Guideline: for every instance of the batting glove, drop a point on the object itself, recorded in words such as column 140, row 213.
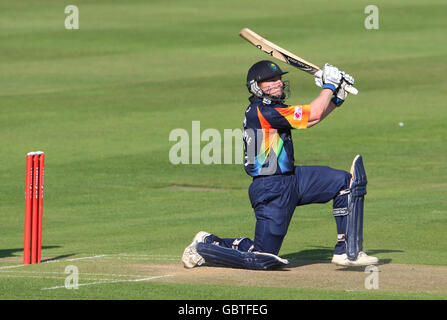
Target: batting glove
column 341, row 93
column 331, row 77
column 318, row 80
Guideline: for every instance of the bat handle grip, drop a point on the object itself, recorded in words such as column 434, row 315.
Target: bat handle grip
column 351, row 90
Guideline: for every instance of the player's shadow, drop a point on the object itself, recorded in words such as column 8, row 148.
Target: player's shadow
column 324, row 255
column 9, row 253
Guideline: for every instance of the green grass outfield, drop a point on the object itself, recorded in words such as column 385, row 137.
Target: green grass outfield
column 101, row 102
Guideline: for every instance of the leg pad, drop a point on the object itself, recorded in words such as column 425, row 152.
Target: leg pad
column 238, row 259
column 354, row 227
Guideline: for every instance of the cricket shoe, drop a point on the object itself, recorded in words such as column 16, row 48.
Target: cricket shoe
column 191, row 257
column 362, row 260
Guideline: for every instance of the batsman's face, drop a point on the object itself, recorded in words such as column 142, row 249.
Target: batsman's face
column 273, row 86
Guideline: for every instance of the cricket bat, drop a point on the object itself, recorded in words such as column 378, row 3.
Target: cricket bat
column 284, row 55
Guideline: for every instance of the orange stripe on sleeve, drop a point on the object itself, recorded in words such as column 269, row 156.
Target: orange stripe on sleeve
column 297, row 116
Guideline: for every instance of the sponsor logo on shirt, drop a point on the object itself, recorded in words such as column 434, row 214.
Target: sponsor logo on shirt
column 298, row 114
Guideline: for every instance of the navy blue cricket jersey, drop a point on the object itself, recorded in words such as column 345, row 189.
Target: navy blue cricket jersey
column 268, row 145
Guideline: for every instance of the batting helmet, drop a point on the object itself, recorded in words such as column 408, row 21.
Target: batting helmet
column 261, row 71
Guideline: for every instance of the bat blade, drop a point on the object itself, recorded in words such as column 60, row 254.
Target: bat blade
column 277, row 52
column 282, row 54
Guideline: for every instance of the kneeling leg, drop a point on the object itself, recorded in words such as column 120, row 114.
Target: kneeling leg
column 238, row 259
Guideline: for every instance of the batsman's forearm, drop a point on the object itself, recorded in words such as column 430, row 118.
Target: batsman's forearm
column 328, row 110
column 320, row 107
column 331, row 107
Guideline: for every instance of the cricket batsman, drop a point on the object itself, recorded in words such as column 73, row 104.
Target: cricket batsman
column 279, row 186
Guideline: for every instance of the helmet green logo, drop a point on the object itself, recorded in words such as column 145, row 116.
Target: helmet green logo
column 273, row 66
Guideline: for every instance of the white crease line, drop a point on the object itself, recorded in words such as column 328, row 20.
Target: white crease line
column 120, row 256
column 85, row 258
column 144, row 258
column 74, row 259
column 147, row 255
column 113, row 281
column 108, row 258
column 46, row 277
column 80, row 273
column 14, row 266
